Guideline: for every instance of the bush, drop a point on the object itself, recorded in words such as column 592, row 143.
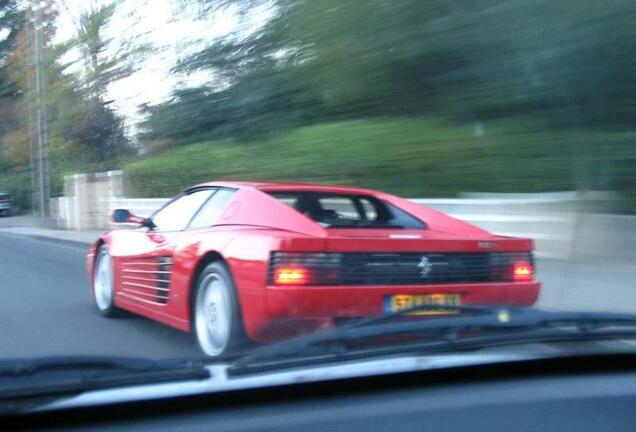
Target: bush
column 411, row 157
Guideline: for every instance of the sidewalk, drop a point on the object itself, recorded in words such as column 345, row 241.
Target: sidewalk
column 76, row 238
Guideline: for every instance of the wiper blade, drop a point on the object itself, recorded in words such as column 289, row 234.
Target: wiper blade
column 27, row 367
column 24, row 381
column 482, row 326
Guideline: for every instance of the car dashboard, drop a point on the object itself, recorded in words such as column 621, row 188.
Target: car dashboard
column 583, row 392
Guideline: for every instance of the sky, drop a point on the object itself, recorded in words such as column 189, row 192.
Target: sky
column 173, row 27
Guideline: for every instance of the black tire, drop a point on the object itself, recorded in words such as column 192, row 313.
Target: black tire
column 105, row 303
column 208, row 318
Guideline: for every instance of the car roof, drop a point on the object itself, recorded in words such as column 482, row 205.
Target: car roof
column 280, row 186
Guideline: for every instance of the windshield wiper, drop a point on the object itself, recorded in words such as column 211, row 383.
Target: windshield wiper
column 24, row 381
column 31, row 366
column 472, row 328
column 16, row 368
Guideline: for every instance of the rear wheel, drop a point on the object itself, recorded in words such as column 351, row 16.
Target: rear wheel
column 103, row 285
column 216, row 314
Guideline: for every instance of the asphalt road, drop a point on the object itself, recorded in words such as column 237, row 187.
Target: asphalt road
column 47, row 307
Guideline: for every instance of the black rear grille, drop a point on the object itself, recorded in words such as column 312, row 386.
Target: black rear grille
column 402, row 268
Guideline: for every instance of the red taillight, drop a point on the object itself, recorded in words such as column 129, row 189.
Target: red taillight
column 522, row 271
column 290, row 276
column 300, row 268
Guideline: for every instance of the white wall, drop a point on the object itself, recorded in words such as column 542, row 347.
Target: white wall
column 557, row 221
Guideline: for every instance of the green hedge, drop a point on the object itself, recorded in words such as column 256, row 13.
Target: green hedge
column 411, row 157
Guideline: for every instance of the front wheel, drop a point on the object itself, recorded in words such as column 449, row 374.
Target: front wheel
column 103, row 285
column 216, row 313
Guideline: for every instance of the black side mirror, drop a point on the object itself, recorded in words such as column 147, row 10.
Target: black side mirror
column 120, row 215
column 124, row 216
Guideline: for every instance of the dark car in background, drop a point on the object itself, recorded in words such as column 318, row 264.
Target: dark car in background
column 5, row 203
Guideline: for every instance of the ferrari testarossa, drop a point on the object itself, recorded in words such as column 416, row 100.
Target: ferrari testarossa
column 238, row 262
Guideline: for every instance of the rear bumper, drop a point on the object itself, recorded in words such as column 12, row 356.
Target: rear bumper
column 360, row 301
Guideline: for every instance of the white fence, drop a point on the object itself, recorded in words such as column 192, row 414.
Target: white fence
column 549, row 219
column 143, row 207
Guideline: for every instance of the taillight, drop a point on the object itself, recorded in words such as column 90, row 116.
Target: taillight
column 511, row 266
column 290, row 276
column 522, row 271
column 296, row 268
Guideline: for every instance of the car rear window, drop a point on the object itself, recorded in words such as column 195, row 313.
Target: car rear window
column 348, row 211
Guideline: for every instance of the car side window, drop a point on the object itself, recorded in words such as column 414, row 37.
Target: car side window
column 176, row 215
column 212, row 209
column 340, row 207
column 369, row 209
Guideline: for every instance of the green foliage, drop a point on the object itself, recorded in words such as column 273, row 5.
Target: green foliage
column 412, row 157
column 10, row 22
column 415, row 97
column 552, row 80
column 569, row 61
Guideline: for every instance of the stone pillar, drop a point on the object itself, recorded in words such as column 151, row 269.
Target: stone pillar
column 107, row 185
column 82, row 201
column 88, row 199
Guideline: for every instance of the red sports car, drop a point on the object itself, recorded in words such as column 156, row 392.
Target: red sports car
column 241, row 261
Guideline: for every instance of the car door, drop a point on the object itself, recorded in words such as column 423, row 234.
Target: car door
column 145, row 273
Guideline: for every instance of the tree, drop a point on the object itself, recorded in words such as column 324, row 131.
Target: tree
column 11, row 23
column 104, row 61
column 90, row 123
column 13, row 137
column 260, row 85
column 85, row 134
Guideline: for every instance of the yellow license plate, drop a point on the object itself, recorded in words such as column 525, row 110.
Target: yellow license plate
column 397, row 303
